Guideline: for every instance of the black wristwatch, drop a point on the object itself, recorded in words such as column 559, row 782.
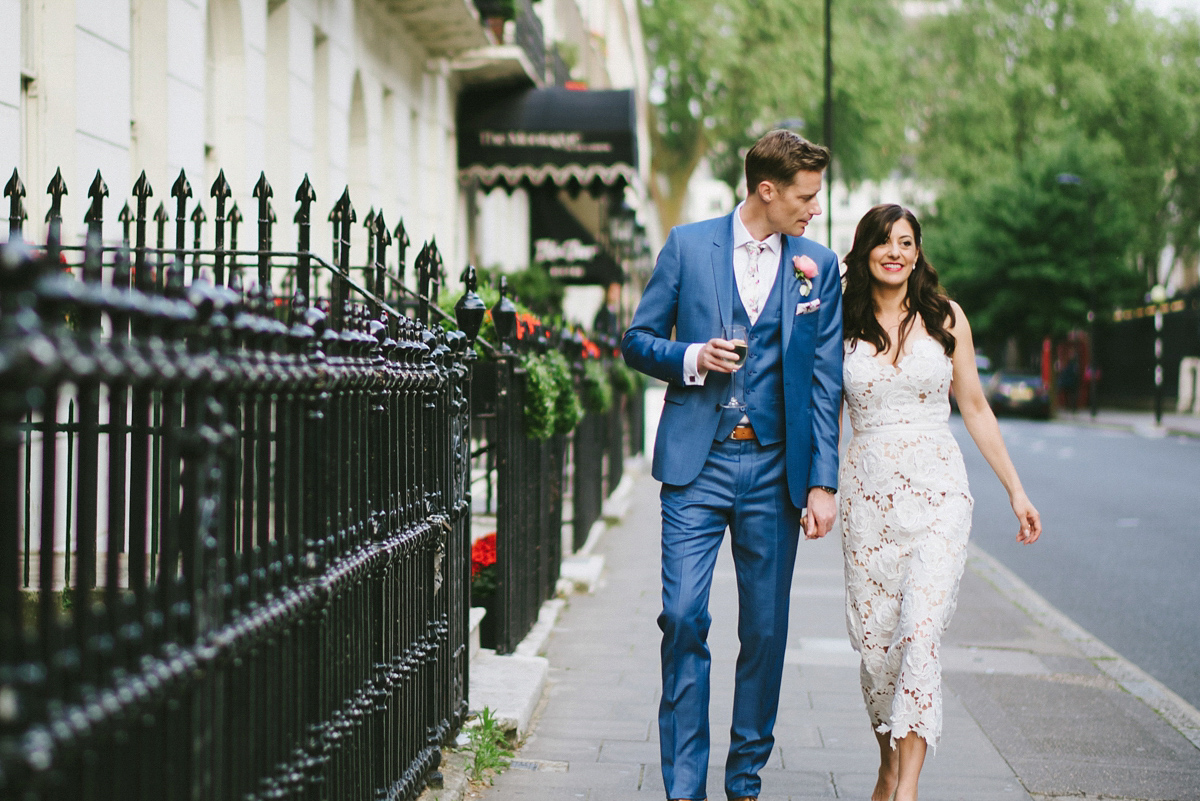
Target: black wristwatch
column 830, row 490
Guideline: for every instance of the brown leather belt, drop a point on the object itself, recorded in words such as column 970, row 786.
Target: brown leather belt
column 742, row 431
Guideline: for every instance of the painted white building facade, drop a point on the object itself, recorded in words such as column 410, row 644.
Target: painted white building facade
column 353, row 93
column 341, row 90
column 357, row 94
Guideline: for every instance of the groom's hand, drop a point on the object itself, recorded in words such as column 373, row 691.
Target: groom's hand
column 717, row 355
column 822, row 509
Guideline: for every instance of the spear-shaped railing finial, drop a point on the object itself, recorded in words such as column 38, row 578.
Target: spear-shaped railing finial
column 181, row 190
column 14, row 190
column 95, row 213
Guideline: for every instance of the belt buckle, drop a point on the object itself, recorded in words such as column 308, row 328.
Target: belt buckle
column 742, row 432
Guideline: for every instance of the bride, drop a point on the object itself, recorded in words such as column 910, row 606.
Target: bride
column 906, row 507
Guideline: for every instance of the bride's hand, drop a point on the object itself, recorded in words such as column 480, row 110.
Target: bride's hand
column 1029, row 519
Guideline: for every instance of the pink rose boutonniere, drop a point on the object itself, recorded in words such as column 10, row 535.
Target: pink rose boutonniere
column 805, row 270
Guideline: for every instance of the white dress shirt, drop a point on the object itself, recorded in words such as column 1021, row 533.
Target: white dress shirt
column 768, row 267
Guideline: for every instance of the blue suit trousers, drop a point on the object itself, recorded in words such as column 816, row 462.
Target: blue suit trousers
column 742, row 487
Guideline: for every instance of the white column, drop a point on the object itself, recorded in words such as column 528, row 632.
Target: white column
column 150, row 78
column 11, row 53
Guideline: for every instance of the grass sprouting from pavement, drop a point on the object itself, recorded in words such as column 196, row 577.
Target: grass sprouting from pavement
column 489, row 747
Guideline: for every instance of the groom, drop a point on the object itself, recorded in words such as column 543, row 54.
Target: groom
column 754, row 468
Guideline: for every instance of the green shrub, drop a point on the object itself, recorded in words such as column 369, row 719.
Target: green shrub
column 625, row 379
column 568, row 411
column 541, row 397
column 537, row 291
column 597, row 388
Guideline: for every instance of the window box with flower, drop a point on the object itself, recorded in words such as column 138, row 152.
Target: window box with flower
column 483, row 586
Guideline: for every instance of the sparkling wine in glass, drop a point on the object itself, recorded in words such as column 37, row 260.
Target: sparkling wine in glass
column 737, row 335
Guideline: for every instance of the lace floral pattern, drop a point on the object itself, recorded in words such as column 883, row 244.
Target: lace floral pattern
column 906, row 516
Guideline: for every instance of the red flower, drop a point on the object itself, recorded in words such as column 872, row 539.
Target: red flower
column 483, row 553
column 526, row 324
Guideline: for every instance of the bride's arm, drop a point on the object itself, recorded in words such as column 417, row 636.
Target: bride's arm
column 981, row 424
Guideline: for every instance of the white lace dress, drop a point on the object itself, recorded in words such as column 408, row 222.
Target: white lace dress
column 906, row 516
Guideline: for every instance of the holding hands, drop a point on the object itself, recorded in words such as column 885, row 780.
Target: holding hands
column 818, row 517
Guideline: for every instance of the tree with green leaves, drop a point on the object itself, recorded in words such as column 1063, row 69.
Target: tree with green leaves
column 724, row 72
column 1029, row 253
column 1003, row 82
column 1182, row 63
column 987, row 102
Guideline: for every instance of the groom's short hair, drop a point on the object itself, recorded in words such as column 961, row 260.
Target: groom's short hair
column 778, row 155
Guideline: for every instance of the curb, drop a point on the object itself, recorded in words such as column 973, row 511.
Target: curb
column 1181, row 715
column 510, row 686
column 1147, row 430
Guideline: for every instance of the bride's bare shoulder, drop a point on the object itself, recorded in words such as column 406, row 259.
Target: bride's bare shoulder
column 957, row 319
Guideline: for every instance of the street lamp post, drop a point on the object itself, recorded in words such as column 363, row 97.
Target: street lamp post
column 1092, row 372
column 829, row 121
column 1158, row 296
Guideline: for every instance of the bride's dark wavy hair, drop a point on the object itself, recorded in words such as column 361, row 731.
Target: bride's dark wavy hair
column 925, row 295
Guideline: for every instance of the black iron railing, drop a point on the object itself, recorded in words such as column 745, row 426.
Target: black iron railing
column 558, row 73
column 525, row 479
column 590, row 446
column 528, row 511
column 527, row 482
column 616, row 426
column 234, row 527
column 1125, row 351
column 601, row 443
column 530, row 36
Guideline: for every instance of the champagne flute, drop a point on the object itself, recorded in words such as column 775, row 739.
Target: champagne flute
column 737, row 335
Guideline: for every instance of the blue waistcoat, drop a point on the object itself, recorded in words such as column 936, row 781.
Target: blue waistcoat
column 759, row 382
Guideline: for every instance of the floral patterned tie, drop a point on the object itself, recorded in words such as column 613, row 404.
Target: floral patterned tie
column 753, row 279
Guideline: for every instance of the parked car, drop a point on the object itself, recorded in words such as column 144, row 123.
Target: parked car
column 983, row 365
column 1018, row 393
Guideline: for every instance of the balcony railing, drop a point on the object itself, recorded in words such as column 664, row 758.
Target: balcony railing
column 528, row 34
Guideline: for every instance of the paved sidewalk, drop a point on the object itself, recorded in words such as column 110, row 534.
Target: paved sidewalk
column 1173, row 424
column 1034, row 707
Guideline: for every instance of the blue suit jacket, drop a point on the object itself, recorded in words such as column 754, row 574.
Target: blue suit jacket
column 690, row 293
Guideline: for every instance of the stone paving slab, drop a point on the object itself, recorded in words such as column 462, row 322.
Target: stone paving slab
column 581, row 777
column 549, row 729
column 776, row 784
column 938, row 788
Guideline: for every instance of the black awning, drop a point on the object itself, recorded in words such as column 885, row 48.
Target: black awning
column 563, row 246
column 554, row 135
